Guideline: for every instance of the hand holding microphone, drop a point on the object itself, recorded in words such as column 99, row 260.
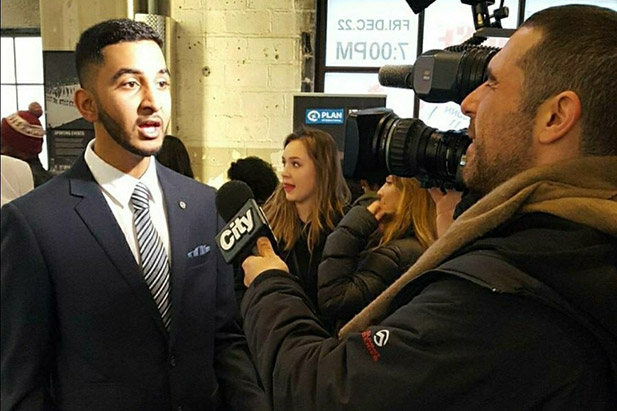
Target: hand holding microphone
column 246, row 222
column 247, row 231
column 266, row 260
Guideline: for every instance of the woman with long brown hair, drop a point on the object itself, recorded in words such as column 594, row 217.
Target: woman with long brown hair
column 308, row 204
column 372, row 246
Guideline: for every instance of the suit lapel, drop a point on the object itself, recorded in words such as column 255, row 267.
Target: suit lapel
column 97, row 216
column 176, row 203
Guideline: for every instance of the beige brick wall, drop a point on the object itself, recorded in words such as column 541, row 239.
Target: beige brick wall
column 20, row 14
column 238, row 63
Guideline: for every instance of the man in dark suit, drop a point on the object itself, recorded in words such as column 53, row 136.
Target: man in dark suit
column 114, row 296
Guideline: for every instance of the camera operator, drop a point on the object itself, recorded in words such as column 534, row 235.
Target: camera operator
column 514, row 306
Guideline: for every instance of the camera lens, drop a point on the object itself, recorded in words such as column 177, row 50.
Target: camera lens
column 378, row 142
column 415, row 149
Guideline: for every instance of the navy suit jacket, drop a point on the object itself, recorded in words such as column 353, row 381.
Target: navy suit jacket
column 80, row 330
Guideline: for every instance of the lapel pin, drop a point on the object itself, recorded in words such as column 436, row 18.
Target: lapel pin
column 182, row 205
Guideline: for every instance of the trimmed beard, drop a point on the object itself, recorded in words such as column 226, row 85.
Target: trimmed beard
column 487, row 173
column 119, row 136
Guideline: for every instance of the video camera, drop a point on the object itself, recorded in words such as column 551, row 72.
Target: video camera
column 378, row 142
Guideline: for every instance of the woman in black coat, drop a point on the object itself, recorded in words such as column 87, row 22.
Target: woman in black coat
column 372, row 246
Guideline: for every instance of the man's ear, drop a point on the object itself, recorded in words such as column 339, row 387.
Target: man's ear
column 557, row 116
column 85, row 103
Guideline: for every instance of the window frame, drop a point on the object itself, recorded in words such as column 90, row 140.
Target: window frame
column 14, row 33
column 321, row 69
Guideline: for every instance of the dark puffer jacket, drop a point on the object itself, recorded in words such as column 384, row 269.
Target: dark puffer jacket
column 301, row 261
column 353, row 272
column 528, row 325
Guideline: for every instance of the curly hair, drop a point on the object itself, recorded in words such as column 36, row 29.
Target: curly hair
column 257, row 173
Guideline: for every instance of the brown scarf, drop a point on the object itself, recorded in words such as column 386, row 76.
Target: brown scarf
column 583, row 190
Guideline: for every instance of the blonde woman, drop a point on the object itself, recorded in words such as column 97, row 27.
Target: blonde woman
column 308, row 203
column 372, row 246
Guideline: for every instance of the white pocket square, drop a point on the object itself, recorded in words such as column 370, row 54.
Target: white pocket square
column 199, row 250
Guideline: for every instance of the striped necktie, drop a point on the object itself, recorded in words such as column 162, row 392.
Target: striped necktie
column 154, row 262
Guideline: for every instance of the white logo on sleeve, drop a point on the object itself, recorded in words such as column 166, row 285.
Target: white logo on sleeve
column 381, row 338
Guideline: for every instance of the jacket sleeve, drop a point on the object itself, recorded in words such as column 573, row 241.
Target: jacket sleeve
column 304, row 368
column 377, row 270
column 338, row 292
column 28, row 318
column 450, row 344
column 349, row 277
column 235, row 371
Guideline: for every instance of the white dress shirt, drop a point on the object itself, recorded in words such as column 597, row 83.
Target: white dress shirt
column 117, row 188
column 17, row 178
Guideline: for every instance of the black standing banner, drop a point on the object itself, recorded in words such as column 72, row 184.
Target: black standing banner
column 68, row 132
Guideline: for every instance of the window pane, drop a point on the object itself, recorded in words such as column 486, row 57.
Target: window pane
column 28, row 94
column 444, row 116
column 8, row 100
column 399, row 100
column 8, row 64
column 29, row 56
column 438, row 35
column 450, row 22
column 369, row 33
column 353, row 83
column 532, row 6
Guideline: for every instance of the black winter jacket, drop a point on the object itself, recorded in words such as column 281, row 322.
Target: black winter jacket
column 39, row 174
column 522, row 319
column 303, row 263
column 352, row 272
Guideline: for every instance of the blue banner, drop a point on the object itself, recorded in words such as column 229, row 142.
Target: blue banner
column 325, row 116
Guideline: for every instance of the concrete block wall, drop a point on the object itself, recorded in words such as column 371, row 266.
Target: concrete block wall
column 20, row 14
column 238, row 63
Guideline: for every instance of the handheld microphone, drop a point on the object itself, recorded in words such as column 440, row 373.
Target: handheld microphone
column 396, row 76
column 246, row 222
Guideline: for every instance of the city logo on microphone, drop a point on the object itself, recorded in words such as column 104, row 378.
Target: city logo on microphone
column 240, row 226
column 325, row 116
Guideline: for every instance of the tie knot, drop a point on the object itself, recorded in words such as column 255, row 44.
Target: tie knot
column 140, row 196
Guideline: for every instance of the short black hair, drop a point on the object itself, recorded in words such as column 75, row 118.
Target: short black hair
column 92, row 41
column 582, row 60
column 257, row 173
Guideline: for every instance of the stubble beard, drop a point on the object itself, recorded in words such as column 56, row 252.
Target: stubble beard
column 122, row 138
column 487, row 171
